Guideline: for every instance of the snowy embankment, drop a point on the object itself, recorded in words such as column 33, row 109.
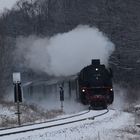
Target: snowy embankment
column 116, row 125
column 29, row 114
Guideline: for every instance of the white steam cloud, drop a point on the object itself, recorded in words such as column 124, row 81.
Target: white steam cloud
column 64, row 54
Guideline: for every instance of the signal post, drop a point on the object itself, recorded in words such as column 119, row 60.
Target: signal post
column 61, row 96
column 17, row 93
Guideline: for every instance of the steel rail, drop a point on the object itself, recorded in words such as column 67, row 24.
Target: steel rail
column 54, row 125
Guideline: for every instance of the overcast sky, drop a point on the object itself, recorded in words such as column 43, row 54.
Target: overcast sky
column 6, row 4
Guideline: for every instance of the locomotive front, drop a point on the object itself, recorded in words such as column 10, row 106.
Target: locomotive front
column 95, row 85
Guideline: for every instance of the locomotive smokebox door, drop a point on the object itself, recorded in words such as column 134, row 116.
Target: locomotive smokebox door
column 61, row 94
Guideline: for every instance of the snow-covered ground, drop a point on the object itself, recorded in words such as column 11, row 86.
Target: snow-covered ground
column 116, row 125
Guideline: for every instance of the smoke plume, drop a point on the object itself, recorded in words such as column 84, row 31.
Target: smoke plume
column 64, row 54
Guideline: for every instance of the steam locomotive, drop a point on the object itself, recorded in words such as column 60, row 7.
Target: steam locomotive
column 95, row 85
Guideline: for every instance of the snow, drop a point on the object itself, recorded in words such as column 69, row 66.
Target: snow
column 116, row 125
column 6, row 112
column 137, row 107
column 90, row 114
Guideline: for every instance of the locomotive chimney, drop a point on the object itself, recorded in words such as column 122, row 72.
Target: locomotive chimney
column 95, row 62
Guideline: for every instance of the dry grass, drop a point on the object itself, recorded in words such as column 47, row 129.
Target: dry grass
column 29, row 114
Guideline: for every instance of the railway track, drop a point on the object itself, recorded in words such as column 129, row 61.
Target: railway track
column 88, row 115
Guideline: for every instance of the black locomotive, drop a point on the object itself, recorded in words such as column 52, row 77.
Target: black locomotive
column 95, row 85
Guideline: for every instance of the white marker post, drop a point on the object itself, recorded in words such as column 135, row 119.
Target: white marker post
column 17, row 93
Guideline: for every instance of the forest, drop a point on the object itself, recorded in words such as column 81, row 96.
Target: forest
column 118, row 20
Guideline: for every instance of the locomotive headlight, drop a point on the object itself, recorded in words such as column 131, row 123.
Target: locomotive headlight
column 83, row 90
column 96, row 69
column 111, row 89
